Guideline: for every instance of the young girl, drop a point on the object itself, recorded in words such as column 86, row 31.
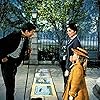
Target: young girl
column 76, row 87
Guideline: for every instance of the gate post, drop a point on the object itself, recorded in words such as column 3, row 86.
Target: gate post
column 34, row 46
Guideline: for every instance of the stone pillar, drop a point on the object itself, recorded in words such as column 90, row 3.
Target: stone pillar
column 34, row 46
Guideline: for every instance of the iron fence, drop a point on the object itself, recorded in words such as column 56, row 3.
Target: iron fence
column 90, row 43
column 48, row 50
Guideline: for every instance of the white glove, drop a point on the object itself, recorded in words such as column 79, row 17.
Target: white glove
column 71, row 98
column 66, row 73
column 64, row 57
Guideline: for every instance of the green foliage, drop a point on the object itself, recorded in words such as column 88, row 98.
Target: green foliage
column 56, row 12
column 28, row 6
column 10, row 16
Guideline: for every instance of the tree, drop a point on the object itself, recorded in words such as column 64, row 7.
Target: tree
column 10, row 16
column 88, row 26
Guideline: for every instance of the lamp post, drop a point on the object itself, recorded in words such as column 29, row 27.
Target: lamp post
column 34, row 42
column 34, row 16
column 32, row 59
column 33, row 20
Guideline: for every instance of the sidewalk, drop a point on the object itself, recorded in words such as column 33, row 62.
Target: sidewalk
column 56, row 73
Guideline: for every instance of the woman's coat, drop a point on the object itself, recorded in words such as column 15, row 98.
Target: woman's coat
column 76, row 85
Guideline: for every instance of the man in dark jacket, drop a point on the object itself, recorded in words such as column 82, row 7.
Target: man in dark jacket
column 73, row 42
column 12, row 51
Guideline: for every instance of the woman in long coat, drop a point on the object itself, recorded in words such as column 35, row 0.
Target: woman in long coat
column 76, row 87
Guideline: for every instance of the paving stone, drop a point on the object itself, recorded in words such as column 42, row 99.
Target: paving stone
column 56, row 73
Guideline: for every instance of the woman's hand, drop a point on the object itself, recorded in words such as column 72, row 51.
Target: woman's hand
column 66, row 73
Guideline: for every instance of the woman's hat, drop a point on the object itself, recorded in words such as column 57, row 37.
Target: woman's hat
column 81, row 52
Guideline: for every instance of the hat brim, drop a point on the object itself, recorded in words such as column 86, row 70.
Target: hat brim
column 79, row 53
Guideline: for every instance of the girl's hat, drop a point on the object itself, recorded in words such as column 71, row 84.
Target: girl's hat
column 81, row 52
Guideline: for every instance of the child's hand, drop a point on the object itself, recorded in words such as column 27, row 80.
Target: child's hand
column 71, row 98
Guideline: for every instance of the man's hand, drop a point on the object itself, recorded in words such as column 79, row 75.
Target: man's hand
column 66, row 73
column 5, row 59
column 28, row 51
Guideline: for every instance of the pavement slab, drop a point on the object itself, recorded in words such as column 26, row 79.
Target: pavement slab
column 91, row 75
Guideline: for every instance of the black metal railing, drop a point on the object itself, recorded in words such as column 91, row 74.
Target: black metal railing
column 90, row 43
column 48, row 50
